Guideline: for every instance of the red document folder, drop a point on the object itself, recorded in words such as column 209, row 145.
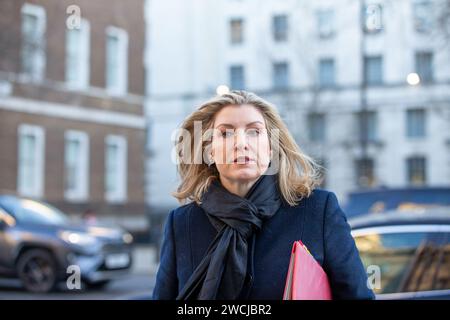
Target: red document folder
column 306, row 280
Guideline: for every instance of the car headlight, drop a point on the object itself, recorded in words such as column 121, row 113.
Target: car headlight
column 127, row 238
column 77, row 238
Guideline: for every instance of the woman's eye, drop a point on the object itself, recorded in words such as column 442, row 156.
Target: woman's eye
column 227, row 134
column 253, row 132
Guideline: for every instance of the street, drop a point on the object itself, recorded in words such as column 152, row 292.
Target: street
column 139, row 283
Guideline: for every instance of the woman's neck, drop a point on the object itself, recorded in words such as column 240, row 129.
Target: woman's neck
column 239, row 188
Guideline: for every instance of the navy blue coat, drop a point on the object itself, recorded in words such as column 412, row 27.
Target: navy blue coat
column 317, row 221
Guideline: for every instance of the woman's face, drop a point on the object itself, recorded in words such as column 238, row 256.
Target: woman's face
column 240, row 144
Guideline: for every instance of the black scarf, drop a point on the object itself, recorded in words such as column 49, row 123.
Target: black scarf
column 222, row 271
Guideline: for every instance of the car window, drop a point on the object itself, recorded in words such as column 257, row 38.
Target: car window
column 408, row 262
column 442, row 265
column 30, row 211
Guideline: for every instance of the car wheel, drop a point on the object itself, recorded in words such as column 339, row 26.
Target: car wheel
column 37, row 271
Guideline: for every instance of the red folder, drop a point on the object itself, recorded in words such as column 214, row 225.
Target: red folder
column 306, row 280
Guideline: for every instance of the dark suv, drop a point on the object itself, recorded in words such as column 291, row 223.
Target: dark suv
column 410, row 250
column 39, row 245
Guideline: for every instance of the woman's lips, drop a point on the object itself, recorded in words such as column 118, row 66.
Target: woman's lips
column 243, row 160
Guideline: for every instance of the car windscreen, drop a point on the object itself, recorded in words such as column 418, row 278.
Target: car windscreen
column 383, row 200
column 31, row 211
column 408, row 262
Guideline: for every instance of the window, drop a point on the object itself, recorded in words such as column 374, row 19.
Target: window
column 116, row 60
column 237, row 77
column 373, row 70
column 116, row 168
column 30, row 177
column 316, row 127
column 326, row 73
column 280, row 28
column 325, row 23
column 415, row 123
column 365, row 176
column 368, row 123
column 373, row 18
column 424, row 66
column 236, row 31
column 33, row 41
column 280, row 75
column 76, row 159
column 77, row 55
column 423, row 13
column 408, row 261
column 416, row 170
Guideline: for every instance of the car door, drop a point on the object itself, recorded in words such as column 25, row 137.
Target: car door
column 412, row 260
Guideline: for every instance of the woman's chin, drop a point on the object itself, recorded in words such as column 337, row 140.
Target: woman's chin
column 246, row 173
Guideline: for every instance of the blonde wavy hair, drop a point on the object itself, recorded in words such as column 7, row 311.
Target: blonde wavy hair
column 298, row 174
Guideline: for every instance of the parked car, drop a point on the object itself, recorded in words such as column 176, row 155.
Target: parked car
column 410, row 250
column 38, row 244
column 384, row 199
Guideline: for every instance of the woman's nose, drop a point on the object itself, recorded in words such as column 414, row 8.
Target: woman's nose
column 241, row 140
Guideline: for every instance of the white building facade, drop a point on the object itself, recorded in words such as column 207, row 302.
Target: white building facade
column 363, row 87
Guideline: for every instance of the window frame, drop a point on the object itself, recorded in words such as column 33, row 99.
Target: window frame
column 377, row 81
column 409, row 169
column 38, row 133
column 280, row 27
column 39, row 57
column 329, row 62
column 120, row 194
column 121, row 87
column 410, row 113
column 235, row 67
column 82, row 80
column 277, row 76
column 81, row 191
column 326, row 30
column 236, row 40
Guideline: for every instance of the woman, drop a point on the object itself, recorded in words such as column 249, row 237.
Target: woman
column 251, row 194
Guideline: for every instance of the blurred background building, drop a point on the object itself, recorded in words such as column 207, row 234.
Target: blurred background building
column 92, row 92
column 89, row 105
column 363, row 85
column 72, row 124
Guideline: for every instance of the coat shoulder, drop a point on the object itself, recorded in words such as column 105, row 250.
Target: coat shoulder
column 181, row 213
column 318, row 198
column 321, row 195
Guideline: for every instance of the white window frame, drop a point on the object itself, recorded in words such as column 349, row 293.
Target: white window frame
column 328, row 29
column 35, row 191
column 83, row 69
column 120, row 194
column 422, row 12
column 122, row 87
column 277, row 32
column 81, row 190
column 329, row 62
column 39, row 59
column 239, row 40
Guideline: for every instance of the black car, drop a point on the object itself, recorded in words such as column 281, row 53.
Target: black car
column 41, row 246
column 409, row 250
